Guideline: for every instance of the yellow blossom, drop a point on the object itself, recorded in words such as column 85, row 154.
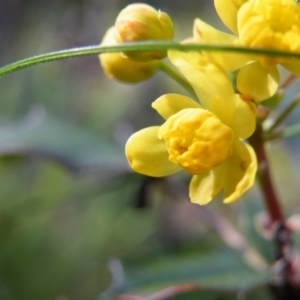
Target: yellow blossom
column 117, row 66
column 205, row 140
column 142, row 22
column 272, row 24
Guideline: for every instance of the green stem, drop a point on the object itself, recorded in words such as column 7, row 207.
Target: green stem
column 291, row 131
column 137, row 46
column 179, row 79
column 284, row 115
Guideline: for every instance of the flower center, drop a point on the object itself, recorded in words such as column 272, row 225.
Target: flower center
column 271, row 24
column 196, row 140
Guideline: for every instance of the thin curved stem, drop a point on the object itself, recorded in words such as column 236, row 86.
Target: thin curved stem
column 177, row 77
column 284, row 114
column 137, row 46
column 291, row 131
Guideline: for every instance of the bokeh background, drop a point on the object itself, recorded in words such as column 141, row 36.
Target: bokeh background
column 75, row 221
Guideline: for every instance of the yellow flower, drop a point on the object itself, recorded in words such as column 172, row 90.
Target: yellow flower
column 204, row 140
column 142, row 22
column 273, row 24
column 120, row 67
column 270, row 24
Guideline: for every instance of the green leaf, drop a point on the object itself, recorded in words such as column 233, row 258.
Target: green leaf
column 261, row 294
column 221, row 269
column 74, row 147
column 58, row 231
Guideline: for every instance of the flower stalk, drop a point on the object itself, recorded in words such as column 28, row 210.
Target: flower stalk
column 265, row 181
column 135, row 46
column 177, row 77
column 284, row 281
column 284, row 115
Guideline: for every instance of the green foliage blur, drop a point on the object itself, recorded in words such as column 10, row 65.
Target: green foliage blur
column 75, row 221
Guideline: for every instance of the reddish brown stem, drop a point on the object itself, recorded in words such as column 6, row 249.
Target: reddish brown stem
column 265, row 180
column 284, row 282
column 288, row 81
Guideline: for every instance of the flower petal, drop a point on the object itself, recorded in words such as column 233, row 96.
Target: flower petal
column 148, row 155
column 206, row 186
column 293, row 66
column 170, row 104
column 256, row 82
column 244, row 118
column 204, row 33
column 239, row 171
column 227, row 11
column 210, row 82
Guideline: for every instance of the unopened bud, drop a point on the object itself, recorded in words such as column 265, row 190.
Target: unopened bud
column 120, row 67
column 141, row 22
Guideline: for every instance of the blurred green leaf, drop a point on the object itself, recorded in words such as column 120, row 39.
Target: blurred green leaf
column 58, row 231
column 251, row 223
column 75, row 148
column 221, row 268
column 261, row 294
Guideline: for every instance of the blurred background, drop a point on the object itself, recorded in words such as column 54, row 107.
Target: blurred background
column 75, row 221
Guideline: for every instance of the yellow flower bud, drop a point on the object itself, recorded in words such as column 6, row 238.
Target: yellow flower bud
column 141, row 22
column 196, row 140
column 120, row 67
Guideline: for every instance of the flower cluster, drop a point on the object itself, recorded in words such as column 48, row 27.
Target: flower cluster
column 270, row 24
column 206, row 138
column 203, row 139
